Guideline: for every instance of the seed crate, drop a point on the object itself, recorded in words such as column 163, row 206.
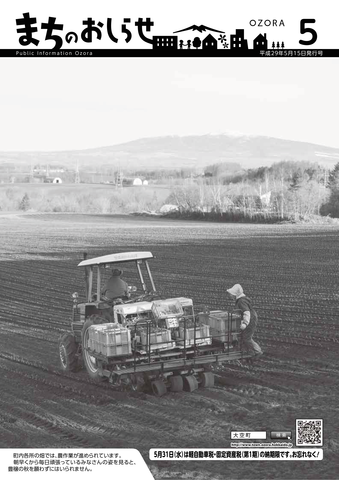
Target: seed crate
column 186, row 304
column 110, row 340
column 167, row 308
column 221, row 321
column 94, row 338
column 200, row 332
column 156, row 336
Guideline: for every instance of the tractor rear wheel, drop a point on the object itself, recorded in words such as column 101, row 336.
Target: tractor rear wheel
column 159, row 388
column 207, row 379
column 68, row 352
column 176, row 383
column 190, row 383
column 90, row 361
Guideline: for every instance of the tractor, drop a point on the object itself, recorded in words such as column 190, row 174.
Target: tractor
column 143, row 341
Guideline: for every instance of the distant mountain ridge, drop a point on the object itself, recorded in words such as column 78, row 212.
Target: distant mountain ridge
column 192, row 151
column 200, row 28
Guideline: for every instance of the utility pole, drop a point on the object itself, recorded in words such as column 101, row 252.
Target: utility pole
column 119, row 178
column 77, row 175
column 31, row 175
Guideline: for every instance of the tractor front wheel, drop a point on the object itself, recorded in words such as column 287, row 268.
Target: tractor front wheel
column 90, row 361
column 68, row 352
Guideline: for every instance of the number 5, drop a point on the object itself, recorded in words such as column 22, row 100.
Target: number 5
column 303, row 30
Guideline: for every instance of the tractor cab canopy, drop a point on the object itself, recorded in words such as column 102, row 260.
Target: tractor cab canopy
column 99, row 263
column 116, row 258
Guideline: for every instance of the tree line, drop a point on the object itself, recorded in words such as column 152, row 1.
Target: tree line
column 286, row 190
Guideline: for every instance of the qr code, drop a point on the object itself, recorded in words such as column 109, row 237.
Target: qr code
column 309, row 432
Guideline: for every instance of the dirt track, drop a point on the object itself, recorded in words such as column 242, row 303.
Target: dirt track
column 292, row 274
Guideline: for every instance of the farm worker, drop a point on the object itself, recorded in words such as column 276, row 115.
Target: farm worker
column 249, row 318
column 115, row 286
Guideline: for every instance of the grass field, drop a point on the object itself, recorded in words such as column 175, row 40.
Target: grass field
column 290, row 271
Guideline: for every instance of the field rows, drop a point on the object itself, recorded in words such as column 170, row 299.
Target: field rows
column 290, row 272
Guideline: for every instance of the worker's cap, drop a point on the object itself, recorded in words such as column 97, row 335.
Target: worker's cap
column 236, row 290
column 116, row 272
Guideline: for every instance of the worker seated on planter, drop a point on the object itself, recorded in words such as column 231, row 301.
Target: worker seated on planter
column 116, row 287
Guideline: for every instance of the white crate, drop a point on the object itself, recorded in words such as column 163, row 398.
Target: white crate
column 156, row 337
column 94, row 337
column 201, row 331
column 184, row 302
column 116, row 350
column 167, row 308
column 221, row 321
column 110, row 339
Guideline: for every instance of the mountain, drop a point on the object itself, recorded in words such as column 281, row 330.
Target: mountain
column 200, row 28
column 176, row 152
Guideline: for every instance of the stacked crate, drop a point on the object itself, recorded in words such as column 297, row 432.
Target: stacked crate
column 93, row 337
column 167, row 308
column 157, row 338
column 110, row 340
column 202, row 334
column 223, row 326
column 186, row 304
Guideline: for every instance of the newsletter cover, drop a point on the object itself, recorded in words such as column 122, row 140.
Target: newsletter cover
column 169, row 233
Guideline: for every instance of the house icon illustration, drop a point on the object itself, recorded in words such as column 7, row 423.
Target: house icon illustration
column 238, row 40
column 260, row 42
column 209, row 43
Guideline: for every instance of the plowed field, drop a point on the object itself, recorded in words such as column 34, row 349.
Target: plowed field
column 291, row 272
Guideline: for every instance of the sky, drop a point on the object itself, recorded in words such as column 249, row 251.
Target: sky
column 62, row 104
column 78, row 103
